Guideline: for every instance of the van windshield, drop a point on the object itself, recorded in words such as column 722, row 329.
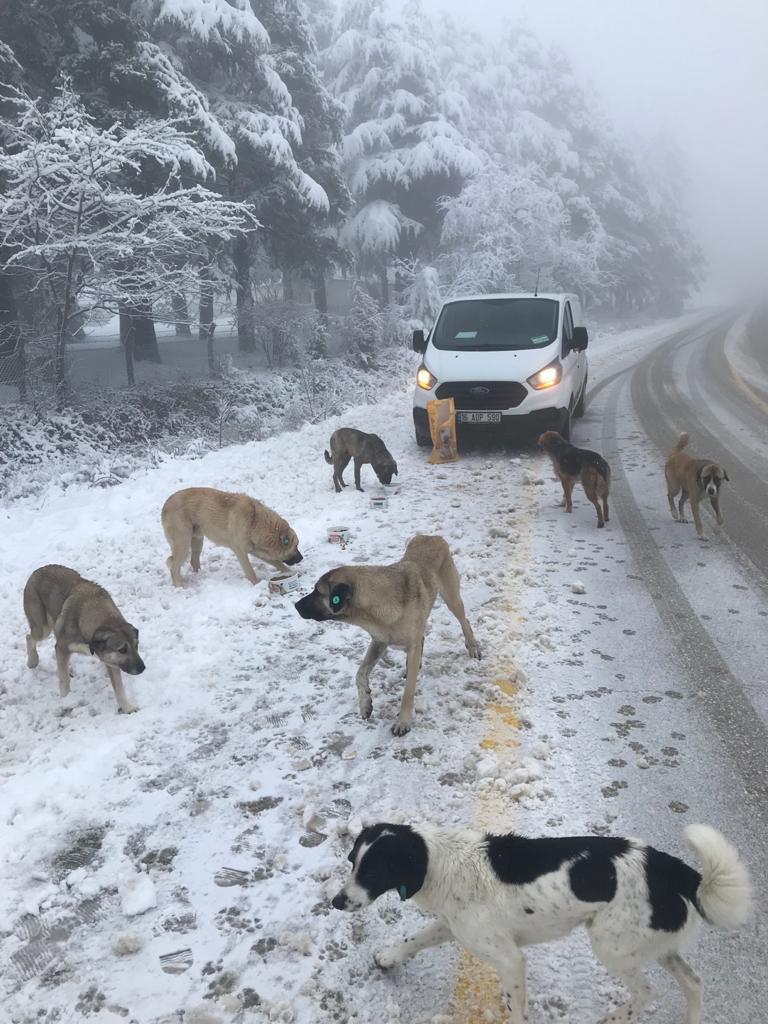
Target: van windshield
column 489, row 324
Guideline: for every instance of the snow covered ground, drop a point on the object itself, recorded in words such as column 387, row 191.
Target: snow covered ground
column 177, row 864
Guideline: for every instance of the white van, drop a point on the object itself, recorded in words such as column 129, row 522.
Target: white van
column 516, row 360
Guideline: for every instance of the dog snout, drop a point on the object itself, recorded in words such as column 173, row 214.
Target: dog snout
column 340, row 901
column 137, row 667
column 307, row 608
column 298, row 557
column 711, row 489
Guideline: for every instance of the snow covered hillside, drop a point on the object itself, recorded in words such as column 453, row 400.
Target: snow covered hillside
column 177, row 864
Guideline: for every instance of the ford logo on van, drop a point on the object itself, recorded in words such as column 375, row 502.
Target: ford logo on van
column 479, row 391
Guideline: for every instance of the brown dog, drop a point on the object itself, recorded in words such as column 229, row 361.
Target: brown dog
column 572, row 464
column 392, row 603
column 695, row 478
column 84, row 620
column 235, row 521
column 348, row 443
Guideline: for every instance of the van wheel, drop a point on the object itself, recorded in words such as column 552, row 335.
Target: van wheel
column 565, row 425
column 581, row 405
column 423, row 441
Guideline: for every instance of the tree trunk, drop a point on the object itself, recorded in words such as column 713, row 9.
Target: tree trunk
column 207, row 325
column 320, row 296
column 384, row 279
column 181, row 315
column 11, row 338
column 127, row 337
column 60, row 360
column 141, row 330
column 145, row 339
column 246, row 335
column 288, row 292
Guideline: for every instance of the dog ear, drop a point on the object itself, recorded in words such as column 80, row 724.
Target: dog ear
column 339, row 597
column 135, row 632
column 726, row 477
column 395, row 469
column 98, row 641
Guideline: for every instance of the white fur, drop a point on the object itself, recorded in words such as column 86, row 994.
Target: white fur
column 725, row 893
column 488, row 917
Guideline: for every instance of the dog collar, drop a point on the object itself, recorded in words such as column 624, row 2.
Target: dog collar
column 403, row 893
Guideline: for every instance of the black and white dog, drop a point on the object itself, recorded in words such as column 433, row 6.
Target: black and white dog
column 495, row 895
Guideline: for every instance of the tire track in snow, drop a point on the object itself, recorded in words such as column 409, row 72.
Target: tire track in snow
column 742, row 732
column 664, row 413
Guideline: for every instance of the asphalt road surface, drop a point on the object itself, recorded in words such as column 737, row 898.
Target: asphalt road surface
column 692, row 670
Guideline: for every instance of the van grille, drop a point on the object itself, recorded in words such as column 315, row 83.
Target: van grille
column 498, row 394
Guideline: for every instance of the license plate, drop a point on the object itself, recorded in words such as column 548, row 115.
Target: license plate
column 479, row 417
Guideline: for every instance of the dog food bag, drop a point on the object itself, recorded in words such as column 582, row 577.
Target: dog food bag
column 442, row 427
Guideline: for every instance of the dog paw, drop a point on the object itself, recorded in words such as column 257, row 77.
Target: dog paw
column 400, row 728
column 366, row 709
column 386, row 959
column 127, row 709
column 600, row 526
column 473, row 650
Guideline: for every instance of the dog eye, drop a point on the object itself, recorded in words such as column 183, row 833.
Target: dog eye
column 123, row 649
column 286, row 541
column 335, row 600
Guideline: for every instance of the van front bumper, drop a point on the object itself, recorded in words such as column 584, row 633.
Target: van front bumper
column 512, row 421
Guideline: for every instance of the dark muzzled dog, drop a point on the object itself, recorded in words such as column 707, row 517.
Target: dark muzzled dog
column 84, row 620
column 496, row 894
column 393, row 604
column 571, row 465
column 693, row 479
column 348, row 443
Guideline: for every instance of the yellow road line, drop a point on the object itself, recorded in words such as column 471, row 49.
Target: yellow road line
column 477, row 996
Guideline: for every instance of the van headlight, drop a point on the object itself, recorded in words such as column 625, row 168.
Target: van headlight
column 548, row 377
column 425, row 379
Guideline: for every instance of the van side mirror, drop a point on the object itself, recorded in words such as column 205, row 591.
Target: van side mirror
column 419, row 341
column 580, row 339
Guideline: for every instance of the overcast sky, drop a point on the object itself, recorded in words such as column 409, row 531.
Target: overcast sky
column 696, row 70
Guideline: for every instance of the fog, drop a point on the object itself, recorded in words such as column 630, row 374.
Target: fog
column 694, row 71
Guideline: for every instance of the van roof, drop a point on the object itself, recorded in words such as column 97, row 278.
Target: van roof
column 557, row 296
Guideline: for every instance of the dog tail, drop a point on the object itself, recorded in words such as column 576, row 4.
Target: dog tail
column 682, row 442
column 328, row 458
column 725, row 893
column 603, row 468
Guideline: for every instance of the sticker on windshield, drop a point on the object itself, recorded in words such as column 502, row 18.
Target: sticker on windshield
column 465, row 334
column 539, row 339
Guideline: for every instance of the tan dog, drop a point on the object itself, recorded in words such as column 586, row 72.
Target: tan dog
column 235, row 521
column 572, row 464
column 393, row 604
column 695, row 478
column 348, row 443
column 84, row 620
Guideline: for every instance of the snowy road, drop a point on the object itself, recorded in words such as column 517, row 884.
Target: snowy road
column 635, row 707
